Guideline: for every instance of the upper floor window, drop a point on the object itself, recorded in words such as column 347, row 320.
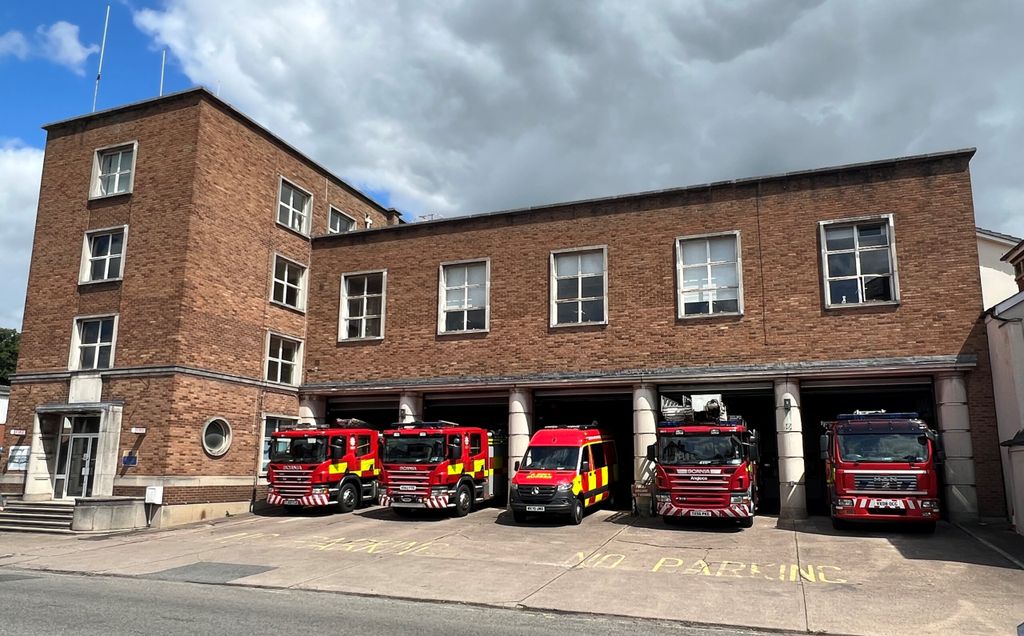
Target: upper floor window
column 102, row 255
column 293, row 207
column 709, row 275
column 362, row 305
column 579, row 287
column 283, row 361
column 463, row 298
column 113, row 170
column 859, row 262
column 289, row 283
column 340, row 222
column 92, row 344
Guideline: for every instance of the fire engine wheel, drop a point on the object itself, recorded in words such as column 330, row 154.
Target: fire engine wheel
column 840, row 524
column 747, row 522
column 576, row 514
column 463, row 501
column 348, row 497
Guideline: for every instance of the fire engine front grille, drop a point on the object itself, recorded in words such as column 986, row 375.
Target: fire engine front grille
column 699, row 490
column 543, row 494
column 409, row 482
column 293, row 482
column 883, row 482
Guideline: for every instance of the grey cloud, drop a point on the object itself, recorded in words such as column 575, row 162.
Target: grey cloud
column 458, row 107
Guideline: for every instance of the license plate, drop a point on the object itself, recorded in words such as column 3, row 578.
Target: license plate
column 407, row 487
column 894, row 504
column 406, row 499
column 291, row 502
column 700, row 513
column 535, row 509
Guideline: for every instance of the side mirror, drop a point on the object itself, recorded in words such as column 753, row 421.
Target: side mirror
column 823, row 446
column 585, row 467
column 652, row 453
column 515, row 466
column 755, row 453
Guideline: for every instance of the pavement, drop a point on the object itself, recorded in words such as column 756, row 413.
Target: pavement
column 794, row 576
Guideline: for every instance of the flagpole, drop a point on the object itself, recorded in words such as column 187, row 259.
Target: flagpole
column 99, row 71
column 163, row 62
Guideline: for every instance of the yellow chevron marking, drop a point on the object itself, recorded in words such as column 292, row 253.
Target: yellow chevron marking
column 577, row 485
column 366, row 464
column 337, row 469
column 455, row 469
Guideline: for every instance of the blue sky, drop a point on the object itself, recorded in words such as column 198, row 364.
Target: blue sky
column 452, row 107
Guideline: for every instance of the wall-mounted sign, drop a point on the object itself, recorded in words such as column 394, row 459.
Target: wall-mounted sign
column 19, row 432
column 18, row 459
column 130, row 460
column 139, row 430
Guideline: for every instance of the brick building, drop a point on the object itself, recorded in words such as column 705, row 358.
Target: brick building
column 241, row 300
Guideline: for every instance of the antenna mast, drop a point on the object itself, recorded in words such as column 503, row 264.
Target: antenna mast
column 99, row 71
column 163, row 62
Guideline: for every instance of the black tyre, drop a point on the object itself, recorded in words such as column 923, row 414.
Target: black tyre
column 403, row 512
column 672, row 520
column 576, row 514
column 463, row 500
column 348, row 497
column 747, row 522
column 293, row 509
column 840, row 524
column 925, row 528
column 519, row 516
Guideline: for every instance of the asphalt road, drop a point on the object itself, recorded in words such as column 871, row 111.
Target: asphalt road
column 35, row 603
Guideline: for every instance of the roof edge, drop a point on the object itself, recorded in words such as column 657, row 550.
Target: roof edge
column 1009, row 239
column 744, row 181
column 205, row 93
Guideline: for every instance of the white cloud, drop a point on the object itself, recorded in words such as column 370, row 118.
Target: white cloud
column 59, row 43
column 464, row 106
column 20, row 170
column 13, row 43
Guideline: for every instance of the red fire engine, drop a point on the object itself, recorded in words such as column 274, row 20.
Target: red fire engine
column 881, row 467
column 706, row 463
column 321, row 466
column 565, row 470
column 440, row 465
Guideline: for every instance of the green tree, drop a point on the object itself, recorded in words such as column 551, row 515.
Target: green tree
column 9, row 340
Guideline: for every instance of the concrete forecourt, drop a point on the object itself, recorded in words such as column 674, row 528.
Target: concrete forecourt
column 784, row 575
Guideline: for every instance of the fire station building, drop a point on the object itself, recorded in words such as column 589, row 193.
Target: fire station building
column 197, row 283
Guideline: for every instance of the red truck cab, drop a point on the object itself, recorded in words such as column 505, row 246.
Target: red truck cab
column 320, row 466
column 881, row 467
column 564, row 471
column 705, row 470
column 441, row 465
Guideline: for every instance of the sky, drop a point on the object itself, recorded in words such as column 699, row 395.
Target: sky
column 444, row 108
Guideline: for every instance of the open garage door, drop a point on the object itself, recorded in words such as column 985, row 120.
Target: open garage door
column 613, row 412
column 823, row 401
column 380, row 413
column 755, row 402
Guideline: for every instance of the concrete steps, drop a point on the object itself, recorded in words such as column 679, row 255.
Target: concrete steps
column 37, row 516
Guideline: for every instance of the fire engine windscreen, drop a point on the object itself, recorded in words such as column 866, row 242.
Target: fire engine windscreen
column 551, row 458
column 700, row 449
column 883, row 447
column 300, row 450
column 414, row 450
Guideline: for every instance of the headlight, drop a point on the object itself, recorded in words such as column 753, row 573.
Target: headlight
column 439, row 490
column 319, row 490
column 663, row 497
column 740, row 498
column 844, row 502
column 930, row 504
column 564, row 488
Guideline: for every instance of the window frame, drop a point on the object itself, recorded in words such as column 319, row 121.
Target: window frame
column 85, row 267
column 300, row 352
column 303, row 282
column 265, row 437
column 894, row 267
column 94, row 183
column 343, row 306
column 680, row 309
column 228, row 437
column 330, row 211
column 553, row 285
column 442, row 288
column 75, row 354
column 307, row 218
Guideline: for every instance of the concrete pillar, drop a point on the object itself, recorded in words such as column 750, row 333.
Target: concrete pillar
column 410, row 407
column 312, row 409
column 107, row 451
column 42, row 457
column 789, row 430
column 520, row 425
column 645, row 423
column 955, row 426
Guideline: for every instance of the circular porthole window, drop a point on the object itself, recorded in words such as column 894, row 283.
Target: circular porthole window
column 216, row 437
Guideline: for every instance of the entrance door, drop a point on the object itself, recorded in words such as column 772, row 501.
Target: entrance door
column 76, row 459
